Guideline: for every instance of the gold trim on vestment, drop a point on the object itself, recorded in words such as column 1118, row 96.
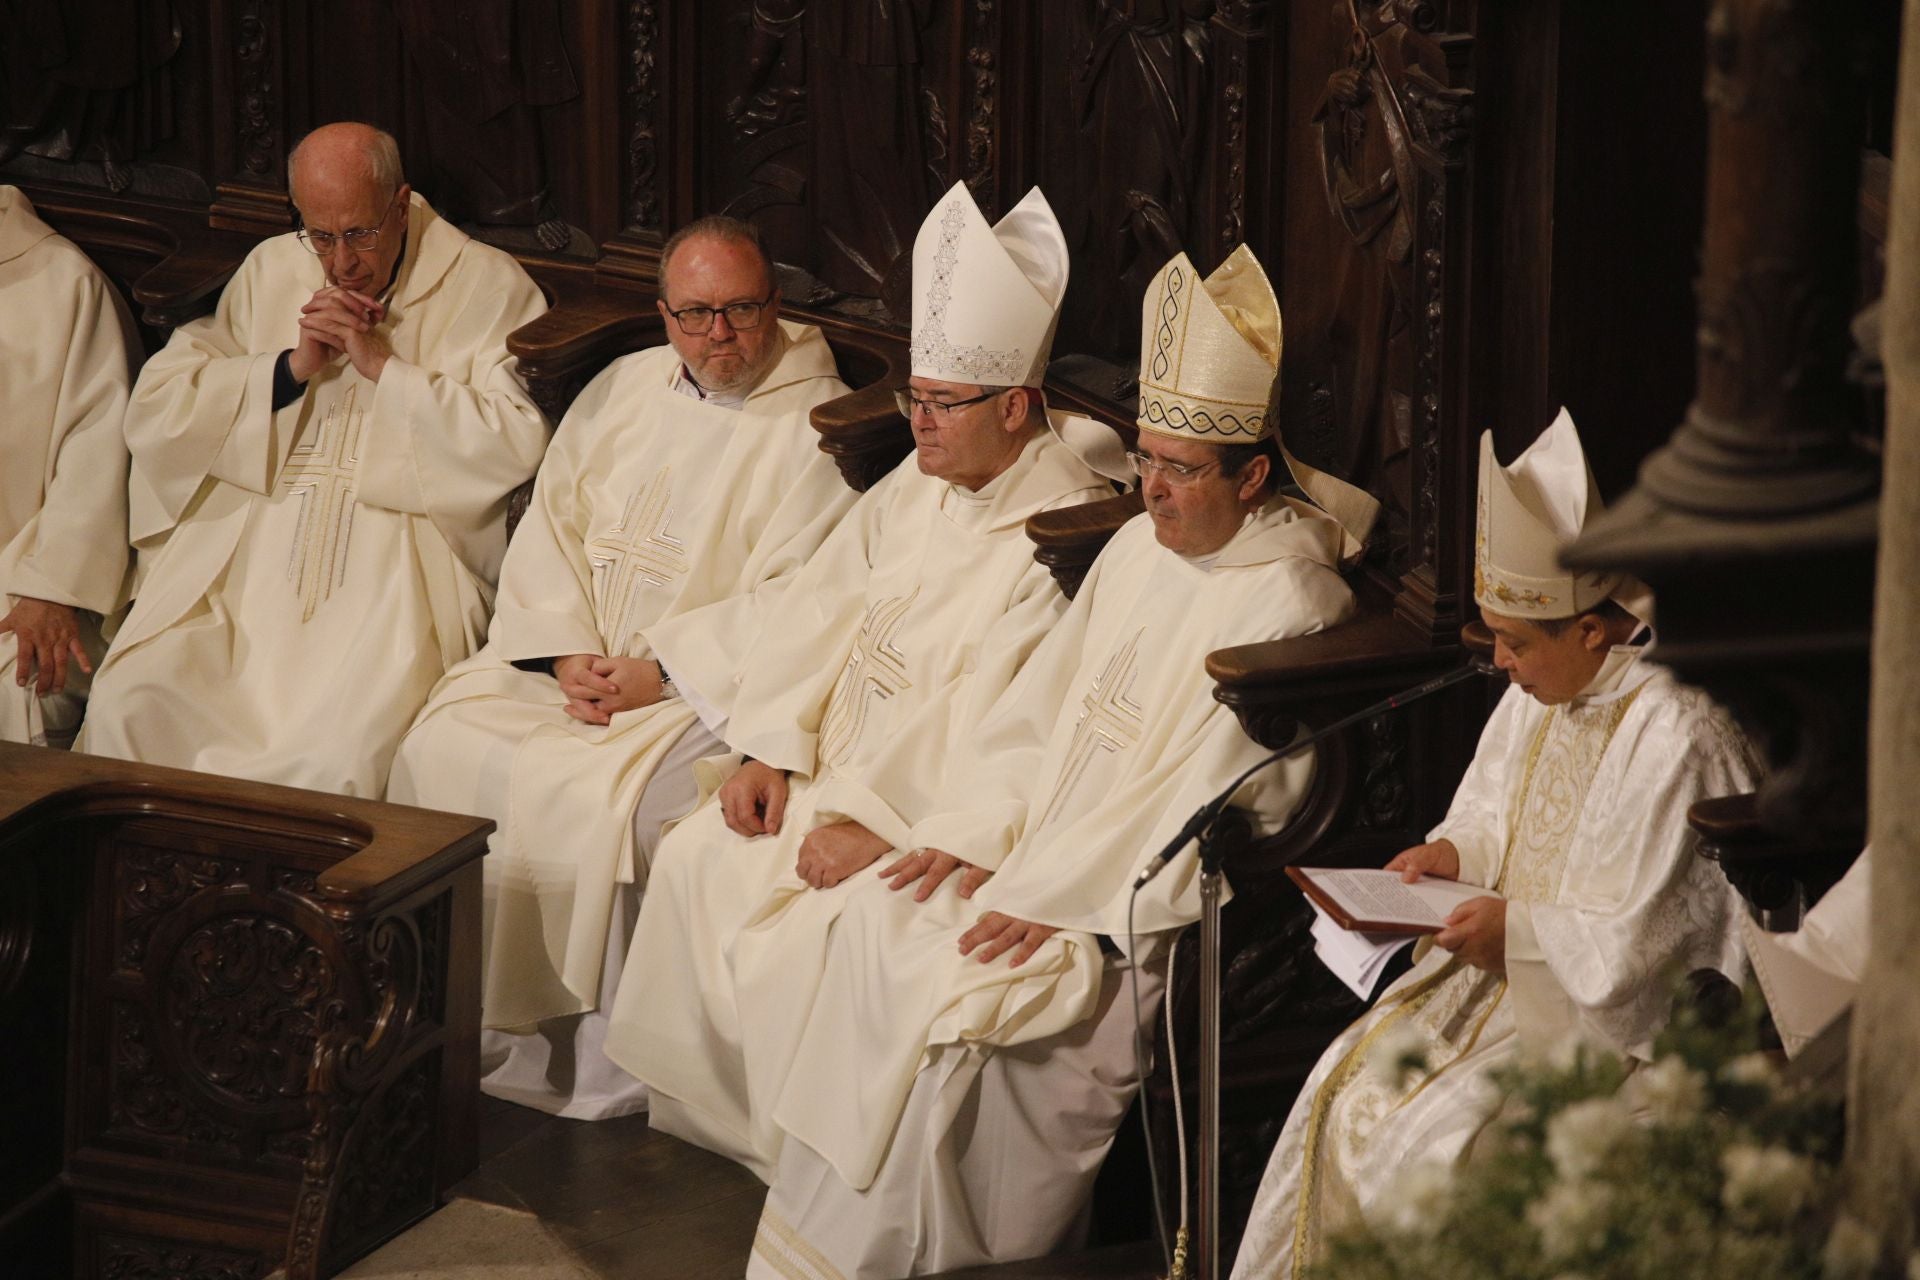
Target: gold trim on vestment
column 788, row 1252
column 1414, row 998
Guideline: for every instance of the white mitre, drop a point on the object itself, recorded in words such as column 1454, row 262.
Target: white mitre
column 986, row 298
column 1209, row 352
column 1527, row 512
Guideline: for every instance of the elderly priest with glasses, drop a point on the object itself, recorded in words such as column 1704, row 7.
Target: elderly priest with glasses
column 917, row 611
column 1573, row 817
column 319, row 491
column 949, row 1081
column 682, row 492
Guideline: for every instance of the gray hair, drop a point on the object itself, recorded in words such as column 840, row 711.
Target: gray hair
column 380, row 151
column 717, row 226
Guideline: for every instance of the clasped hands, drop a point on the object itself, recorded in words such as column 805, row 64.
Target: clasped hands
column 599, row 688
column 48, row 638
column 1476, row 931
column 340, row 322
column 753, row 802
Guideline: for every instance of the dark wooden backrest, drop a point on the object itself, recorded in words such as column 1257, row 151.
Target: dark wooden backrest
column 246, row 1017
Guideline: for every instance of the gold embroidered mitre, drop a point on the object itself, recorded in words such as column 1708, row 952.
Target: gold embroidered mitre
column 1209, row 350
column 986, row 298
column 1527, row 512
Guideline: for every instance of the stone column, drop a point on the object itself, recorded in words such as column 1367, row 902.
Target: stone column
column 1883, row 1139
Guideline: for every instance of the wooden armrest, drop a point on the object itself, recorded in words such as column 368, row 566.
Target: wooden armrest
column 562, row 350
column 1068, row 540
column 864, row 433
column 1780, row 875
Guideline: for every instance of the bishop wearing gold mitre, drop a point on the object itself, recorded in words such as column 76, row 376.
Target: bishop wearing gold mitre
column 912, row 617
column 67, row 357
column 1573, row 816
column 948, row 1076
column 319, row 494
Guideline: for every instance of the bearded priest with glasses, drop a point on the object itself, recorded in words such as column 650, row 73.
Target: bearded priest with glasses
column 913, row 615
column 682, row 492
column 320, row 474
column 948, row 1073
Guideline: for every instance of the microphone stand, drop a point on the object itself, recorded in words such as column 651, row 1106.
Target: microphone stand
column 1205, row 826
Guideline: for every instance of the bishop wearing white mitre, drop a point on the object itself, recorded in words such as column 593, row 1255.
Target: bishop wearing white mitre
column 920, row 607
column 949, row 1083
column 67, row 357
column 681, row 493
column 320, row 479
column 1574, row 812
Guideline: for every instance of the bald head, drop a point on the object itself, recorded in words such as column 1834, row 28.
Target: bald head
column 347, row 153
column 346, row 177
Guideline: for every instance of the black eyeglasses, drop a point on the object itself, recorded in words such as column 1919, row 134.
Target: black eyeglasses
column 938, row 410
column 740, row 315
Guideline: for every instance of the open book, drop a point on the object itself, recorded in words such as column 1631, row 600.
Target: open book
column 1363, row 917
column 1370, row 901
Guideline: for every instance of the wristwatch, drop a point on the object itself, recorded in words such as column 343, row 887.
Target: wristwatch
column 667, row 687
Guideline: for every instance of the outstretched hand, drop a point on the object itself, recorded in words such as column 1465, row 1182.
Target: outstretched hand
column 48, row 636
column 929, row 868
column 997, row 933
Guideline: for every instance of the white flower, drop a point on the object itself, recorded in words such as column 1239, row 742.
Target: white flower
column 1852, row 1251
column 1580, row 1138
column 1767, row 1183
column 1669, row 1091
column 1755, row 1070
column 1571, row 1218
column 1400, row 1049
column 1417, row 1202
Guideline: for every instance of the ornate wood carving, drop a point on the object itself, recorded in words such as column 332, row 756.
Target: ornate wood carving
column 643, row 130
column 125, row 1257
column 252, row 195
column 983, row 126
column 280, row 999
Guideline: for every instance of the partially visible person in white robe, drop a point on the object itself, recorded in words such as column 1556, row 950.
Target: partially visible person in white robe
column 948, row 1084
column 1573, row 813
column 684, row 489
column 1810, row 976
column 68, row 353
column 917, row 611
column 320, row 479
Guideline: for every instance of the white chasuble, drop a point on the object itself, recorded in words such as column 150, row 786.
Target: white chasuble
column 67, row 357
column 661, row 527
column 1094, row 757
column 308, row 573
column 1578, row 815
column 917, row 612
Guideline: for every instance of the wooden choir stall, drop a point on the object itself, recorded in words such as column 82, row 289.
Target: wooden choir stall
column 223, row 996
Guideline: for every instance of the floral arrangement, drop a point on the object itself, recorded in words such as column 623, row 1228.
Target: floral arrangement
column 1704, row 1164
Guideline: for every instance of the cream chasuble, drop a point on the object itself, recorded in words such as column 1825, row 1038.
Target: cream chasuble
column 1578, row 815
column 655, row 515
column 315, row 569
column 1096, row 754
column 68, row 351
column 923, row 604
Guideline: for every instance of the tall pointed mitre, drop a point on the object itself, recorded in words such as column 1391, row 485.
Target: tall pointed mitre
column 1209, row 352
column 1527, row 512
column 986, row 298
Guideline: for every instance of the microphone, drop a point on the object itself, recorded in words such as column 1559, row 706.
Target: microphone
column 1204, row 816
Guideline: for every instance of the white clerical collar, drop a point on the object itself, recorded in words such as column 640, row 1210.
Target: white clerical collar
column 683, row 383
column 1614, row 677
